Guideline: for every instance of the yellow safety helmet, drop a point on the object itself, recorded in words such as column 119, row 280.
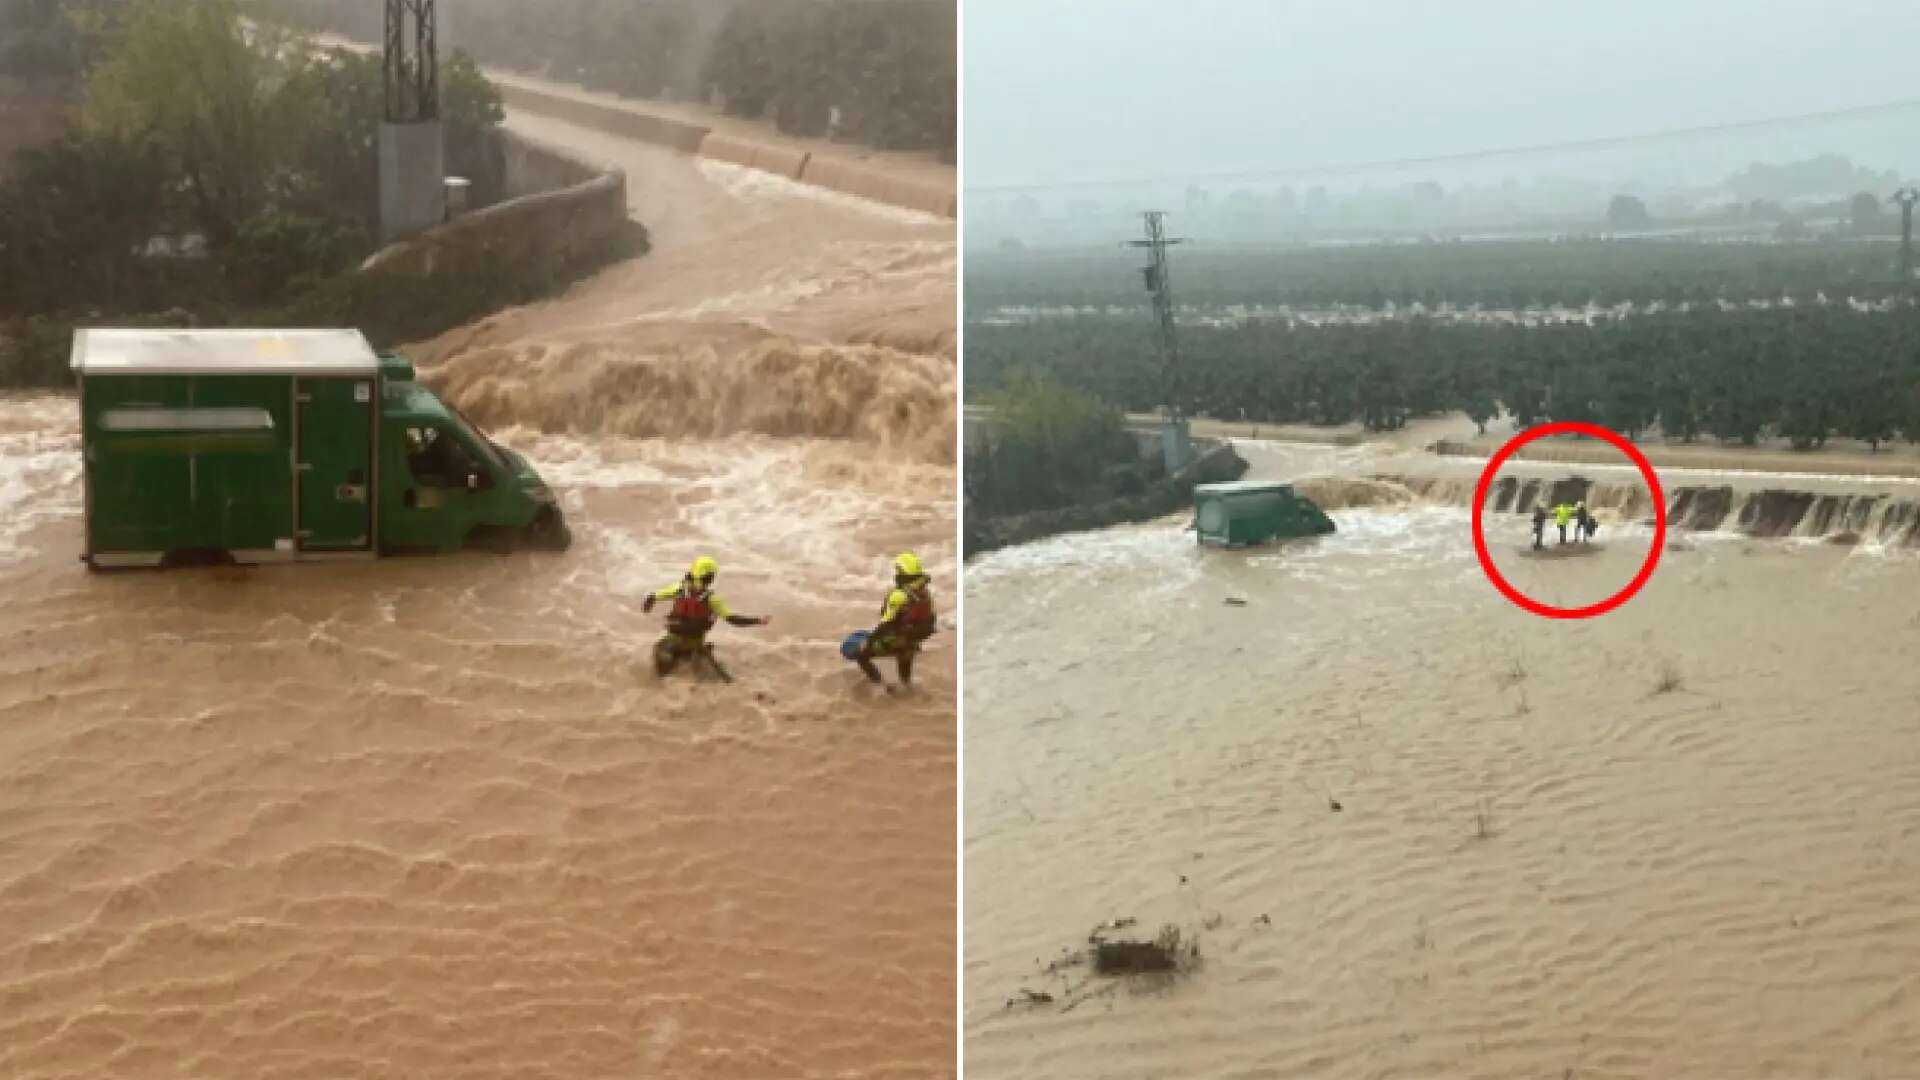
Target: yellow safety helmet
column 704, row 568
column 907, row 565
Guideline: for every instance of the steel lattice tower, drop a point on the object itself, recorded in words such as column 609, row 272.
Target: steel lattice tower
column 1906, row 197
column 1160, row 287
column 412, row 147
column 412, row 63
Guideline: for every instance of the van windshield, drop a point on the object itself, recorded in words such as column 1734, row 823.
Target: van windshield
column 472, row 437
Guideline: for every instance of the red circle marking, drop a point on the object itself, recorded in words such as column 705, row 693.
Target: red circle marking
column 1569, row 427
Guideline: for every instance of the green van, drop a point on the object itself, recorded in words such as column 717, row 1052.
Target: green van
column 256, row 446
column 1240, row 513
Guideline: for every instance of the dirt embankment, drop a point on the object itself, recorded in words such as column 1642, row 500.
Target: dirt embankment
column 1214, row 464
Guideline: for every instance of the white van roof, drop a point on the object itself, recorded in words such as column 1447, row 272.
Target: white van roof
column 1230, row 487
column 222, row 352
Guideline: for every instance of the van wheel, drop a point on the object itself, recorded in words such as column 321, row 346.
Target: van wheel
column 549, row 532
column 490, row 538
column 197, row 557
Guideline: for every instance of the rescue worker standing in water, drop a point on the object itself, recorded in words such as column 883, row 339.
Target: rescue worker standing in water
column 696, row 607
column 1562, row 515
column 906, row 621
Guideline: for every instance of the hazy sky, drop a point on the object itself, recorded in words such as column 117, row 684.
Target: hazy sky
column 1117, row 89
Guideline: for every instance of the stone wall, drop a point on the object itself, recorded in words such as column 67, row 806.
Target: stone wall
column 533, row 167
column 1214, row 463
column 832, row 171
column 851, row 178
column 581, row 215
column 618, row 119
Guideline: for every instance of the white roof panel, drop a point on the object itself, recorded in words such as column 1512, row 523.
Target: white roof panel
column 218, row 352
column 1228, row 487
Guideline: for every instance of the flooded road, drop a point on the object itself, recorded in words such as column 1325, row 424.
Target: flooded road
column 1679, row 840
column 436, row 817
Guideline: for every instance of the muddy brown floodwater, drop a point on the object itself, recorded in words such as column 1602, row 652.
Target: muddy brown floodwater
column 1679, row 840
column 436, row 817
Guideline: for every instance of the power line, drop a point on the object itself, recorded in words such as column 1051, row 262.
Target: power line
column 1173, row 432
column 1906, row 197
column 1447, row 159
column 1160, row 286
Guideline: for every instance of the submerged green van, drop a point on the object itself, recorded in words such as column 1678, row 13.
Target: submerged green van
column 278, row 445
column 1240, row 513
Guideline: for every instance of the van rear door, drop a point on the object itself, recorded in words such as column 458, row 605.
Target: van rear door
column 334, row 466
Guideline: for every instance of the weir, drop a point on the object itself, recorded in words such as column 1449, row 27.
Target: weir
column 1768, row 513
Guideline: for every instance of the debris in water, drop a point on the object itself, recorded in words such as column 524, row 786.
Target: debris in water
column 1169, row 952
column 1334, row 804
column 1236, row 601
column 1845, row 539
column 1131, row 958
column 1263, row 920
column 1069, row 959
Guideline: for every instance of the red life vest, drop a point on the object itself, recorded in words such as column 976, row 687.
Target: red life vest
column 916, row 619
column 691, row 615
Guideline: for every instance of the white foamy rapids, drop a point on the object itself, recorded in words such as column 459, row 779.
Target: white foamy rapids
column 833, row 266
column 802, row 521
column 756, row 184
column 570, row 463
column 1231, row 315
column 1364, row 542
column 39, row 468
column 1382, row 540
column 1166, row 547
column 1881, row 516
column 700, row 381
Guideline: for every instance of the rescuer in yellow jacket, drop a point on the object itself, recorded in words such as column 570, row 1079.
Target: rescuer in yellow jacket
column 1562, row 516
column 906, row 621
column 696, row 607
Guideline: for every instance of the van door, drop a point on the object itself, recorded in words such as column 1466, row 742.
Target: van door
column 333, row 469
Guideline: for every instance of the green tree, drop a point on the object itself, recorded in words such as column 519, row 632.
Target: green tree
column 1627, row 212
column 53, row 43
column 329, row 105
column 184, row 75
column 72, row 218
column 1864, row 212
column 1050, row 445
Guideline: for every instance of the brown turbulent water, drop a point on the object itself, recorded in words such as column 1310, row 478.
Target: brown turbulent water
column 1679, row 840
column 436, row 817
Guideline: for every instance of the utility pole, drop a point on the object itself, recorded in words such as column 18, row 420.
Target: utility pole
column 1174, row 446
column 1906, row 197
column 412, row 154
